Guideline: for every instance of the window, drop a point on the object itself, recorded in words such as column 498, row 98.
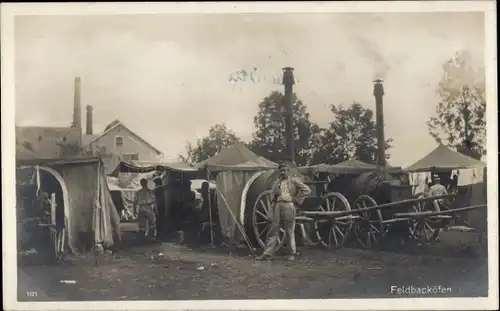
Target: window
column 118, row 141
column 131, row 157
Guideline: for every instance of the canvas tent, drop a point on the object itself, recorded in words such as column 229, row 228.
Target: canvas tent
column 443, row 159
column 89, row 213
column 233, row 168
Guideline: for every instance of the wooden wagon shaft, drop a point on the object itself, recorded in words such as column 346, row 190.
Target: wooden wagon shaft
column 402, row 217
column 329, row 214
column 316, row 217
column 438, row 213
column 336, row 214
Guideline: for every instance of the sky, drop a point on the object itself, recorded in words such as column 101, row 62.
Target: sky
column 166, row 77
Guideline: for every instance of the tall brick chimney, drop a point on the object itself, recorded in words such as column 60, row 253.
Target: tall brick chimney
column 89, row 121
column 77, row 106
column 378, row 92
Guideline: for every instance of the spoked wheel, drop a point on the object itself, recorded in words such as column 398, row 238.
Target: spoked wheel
column 332, row 233
column 425, row 229
column 370, row 228
column 261, row 219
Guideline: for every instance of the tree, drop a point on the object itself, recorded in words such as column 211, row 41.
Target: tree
column 219, row 137
column 269, row 136
column 460, row 114
column 351, row 134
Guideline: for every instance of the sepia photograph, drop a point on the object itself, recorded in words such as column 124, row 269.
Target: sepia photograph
column 250, row 155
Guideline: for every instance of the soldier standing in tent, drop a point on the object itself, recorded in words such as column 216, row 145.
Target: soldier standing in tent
column 437, row 189
column 287, row 191
column 145, row 209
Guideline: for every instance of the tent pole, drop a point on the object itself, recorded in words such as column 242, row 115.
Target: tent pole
column 210, row 209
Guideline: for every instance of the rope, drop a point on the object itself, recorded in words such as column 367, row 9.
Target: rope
column 210, row 210
column 240, row 228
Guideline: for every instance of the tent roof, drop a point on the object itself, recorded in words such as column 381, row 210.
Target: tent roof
column 354, row 163
column 150, row 166
column 443, row 158
column 236, row 157
column 351, row 166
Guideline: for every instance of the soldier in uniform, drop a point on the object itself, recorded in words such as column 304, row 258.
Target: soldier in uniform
column 145, row 208
column 287, row 191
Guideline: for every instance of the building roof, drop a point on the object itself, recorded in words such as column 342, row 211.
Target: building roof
column 116, row 123
column 443, row 159
column 24, row 153
column 46, row 141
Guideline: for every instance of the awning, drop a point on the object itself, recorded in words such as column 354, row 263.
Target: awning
column 147, row 167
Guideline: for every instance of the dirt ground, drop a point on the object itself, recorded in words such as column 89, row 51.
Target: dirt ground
column 166, row 271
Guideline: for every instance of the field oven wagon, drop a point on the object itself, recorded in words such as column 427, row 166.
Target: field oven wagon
column 367, row 207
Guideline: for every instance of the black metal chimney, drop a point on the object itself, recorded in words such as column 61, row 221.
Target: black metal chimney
column 288, row 82
column 378, row 92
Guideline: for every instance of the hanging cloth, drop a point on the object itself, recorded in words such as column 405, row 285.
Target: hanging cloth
column 35, row 179
column 465, row 177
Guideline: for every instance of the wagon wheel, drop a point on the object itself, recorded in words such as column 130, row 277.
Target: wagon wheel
column 425, row 229
column 332, row 233
column 261, row 221
column 370, row 228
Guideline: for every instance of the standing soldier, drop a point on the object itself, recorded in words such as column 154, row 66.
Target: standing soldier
column 437, row 189
column 287, row 191
column 145, row 208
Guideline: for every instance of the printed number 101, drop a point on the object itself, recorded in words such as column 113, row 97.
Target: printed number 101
column 31, row 294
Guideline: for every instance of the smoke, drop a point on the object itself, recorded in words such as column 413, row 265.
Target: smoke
column 370, row 50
